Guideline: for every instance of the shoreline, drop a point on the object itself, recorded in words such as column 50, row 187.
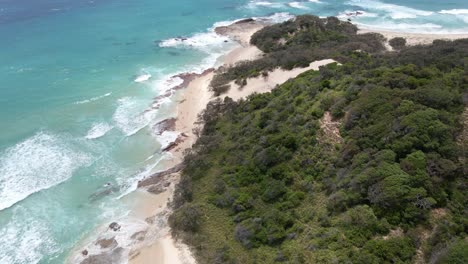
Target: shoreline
column 192, row 102
column 154, row 244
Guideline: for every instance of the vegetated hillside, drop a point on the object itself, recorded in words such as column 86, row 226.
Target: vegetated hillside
column 265, row 183
column 297, row 43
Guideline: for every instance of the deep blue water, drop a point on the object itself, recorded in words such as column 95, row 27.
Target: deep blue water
column 73, row 118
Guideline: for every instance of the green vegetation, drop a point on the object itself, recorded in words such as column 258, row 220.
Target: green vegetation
column 397, row 43
column 265, row 184
column 296, row 44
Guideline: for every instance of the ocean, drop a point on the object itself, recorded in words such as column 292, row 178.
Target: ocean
column 78, row 80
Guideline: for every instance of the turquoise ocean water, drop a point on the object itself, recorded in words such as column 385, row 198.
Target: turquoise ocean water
column 77, row 82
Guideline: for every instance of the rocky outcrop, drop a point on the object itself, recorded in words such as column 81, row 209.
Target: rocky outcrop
column 115, row 226
column 186, row 79
column 114, row 256
column 174, row 144
column 158, row 177
column 107, row 243
column 165, row 125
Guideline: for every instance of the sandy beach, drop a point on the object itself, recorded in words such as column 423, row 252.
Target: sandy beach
column 193, row 101
column 197, row 94
column 153, row 243
column 413, row 38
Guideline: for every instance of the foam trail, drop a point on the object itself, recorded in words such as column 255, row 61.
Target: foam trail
column 93, row 99
column 128, row 117
column 459, row 13
column 98, row 130
column 142, row 78
column 394, row 11
column 166, row 83
column 201, row 41
column 36, row 164
column 276, row 17
column 455, row 11
column 264, row 4
column 356, row 13
column 297, row 5
column 131, row 184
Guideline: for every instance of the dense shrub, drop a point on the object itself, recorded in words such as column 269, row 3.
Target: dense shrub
column 185, row 218
column 296, row 43
column 397, row 43
column 273, row 189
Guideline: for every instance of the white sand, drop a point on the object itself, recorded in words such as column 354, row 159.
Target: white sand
column 194, row 100
column 266, row 84
column 413, row 38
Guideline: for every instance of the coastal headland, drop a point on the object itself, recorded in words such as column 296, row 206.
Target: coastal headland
column 150, row 241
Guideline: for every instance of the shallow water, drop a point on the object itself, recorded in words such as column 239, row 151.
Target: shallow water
column 76, row 79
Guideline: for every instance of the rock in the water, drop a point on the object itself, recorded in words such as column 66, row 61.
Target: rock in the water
column 158, row 176
column 107, row 243
column 139, row 235
column 247, row 20
column 150, row 220
column 105, row 258
column 174, row 144
column 115, row 226
column 84, row 252
column 165, row 125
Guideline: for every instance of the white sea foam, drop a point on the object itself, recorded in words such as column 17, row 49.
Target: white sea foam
column 460, row 13
column 142, row 78
column 37, row 163
column 394, row 11
column 166, row 138
column 130, row 184
column 202, row 41
column 315, row 1
column 297, row 5
column 25, row 240
column 98, row 130
column 130, row 116
column 276, row 17
column 166, row 83
column 257, row 4
column 355, row 13
column 93, row 99
column 455, row 11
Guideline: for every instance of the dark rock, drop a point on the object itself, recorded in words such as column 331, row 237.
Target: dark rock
column 140, row 236
column 115, row 256
column 84, row 252
column 105, row 191
column 150, row 220
column 158, row 176
column 115, row 226
column 107, row 243
column 156, row 189
column 165, row 125
column 173, row 53
column 174, row 144
column 243, row 21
